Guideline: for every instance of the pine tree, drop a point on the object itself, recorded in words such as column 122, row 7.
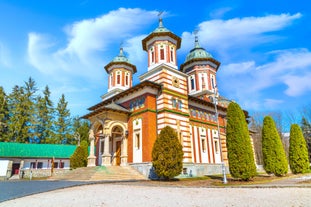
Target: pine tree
column 167, row 154
column 4, row 116
column 306, row 129
column 81, row 129
column 45, row 117
column 274, row 156
column 298, row 152
column 17, row 116
column 63, row 123
column 240, row 152
column 29, row 110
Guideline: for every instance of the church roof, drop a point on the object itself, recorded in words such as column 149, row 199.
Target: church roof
column 108, row 104
column 197, row 52
column 161, row 31
column 120, row 59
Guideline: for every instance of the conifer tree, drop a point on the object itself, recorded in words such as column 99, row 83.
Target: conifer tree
column 29, row 110
column 45, row 117
column 4, row 116
column 298, row 152
column 63, row 123
column 306, row 129
column 81, row 128
column 17, row 115
column 167, row 154
column 79, row 157
column 240, row 151
column 274, row 156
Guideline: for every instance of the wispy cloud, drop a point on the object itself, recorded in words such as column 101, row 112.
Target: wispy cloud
column 225, row 36
column 219, row 13
column 89, row 43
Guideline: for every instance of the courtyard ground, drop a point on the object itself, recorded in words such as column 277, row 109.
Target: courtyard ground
column 264, row 190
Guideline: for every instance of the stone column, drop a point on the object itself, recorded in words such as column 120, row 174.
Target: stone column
column 124, row 152
column 106, row 157
column 91, row 158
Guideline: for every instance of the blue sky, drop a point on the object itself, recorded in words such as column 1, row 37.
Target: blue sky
column 263, row 46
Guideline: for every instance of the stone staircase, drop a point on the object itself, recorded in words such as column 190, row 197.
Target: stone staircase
column 101, row 173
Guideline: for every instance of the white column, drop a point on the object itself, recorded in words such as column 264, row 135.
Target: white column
column 124, row 152
column 91, row 158
column 106, row 157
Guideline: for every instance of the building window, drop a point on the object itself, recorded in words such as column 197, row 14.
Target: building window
column 216, row 146
column 111, row 80
column 192, row 83
column 203, row 141
column 174, row 102
column 39, row 165
column 137, row 141
column 61, row 164
column 33, row 165
column 179, row 104
column 118, row 77
column 152, row 55
column 172, row 54
column 203, row 82
column 55, row 164
column 213, row 82
column 127, row 77
column 162, row 53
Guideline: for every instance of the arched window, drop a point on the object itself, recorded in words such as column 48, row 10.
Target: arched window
column 127, row 78
column 118, row 77
column 172, row 54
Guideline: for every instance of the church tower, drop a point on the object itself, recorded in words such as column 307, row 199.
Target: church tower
column 201, row 68
column 172, row 102
column 120, row 72
column 161, row 46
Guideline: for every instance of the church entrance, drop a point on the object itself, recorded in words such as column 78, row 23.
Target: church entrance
column 118, row 153
column 117, row 134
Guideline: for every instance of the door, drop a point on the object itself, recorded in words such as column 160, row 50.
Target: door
column 118, row 152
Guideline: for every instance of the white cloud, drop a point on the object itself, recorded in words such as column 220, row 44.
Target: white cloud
column 89, row 43
column 298, row 85
column 223, row 36
column 249, row 83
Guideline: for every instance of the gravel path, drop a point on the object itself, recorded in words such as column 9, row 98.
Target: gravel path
column 151, row 196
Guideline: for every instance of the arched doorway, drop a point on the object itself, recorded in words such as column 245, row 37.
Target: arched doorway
column 116, row 144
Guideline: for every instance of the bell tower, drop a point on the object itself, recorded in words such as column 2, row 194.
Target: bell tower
column 201, row 68
column 161, row 46
column 120, row 72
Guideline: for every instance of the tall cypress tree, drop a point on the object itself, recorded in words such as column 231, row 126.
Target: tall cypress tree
column 4, row 116
column 274, row 156
column 63, row 123
column 45, row 117
column 240, row 151
column 298, row 152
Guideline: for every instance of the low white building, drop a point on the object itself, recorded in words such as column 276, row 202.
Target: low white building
column 37, row 160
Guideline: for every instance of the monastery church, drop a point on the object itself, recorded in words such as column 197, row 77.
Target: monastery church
column 126, row 123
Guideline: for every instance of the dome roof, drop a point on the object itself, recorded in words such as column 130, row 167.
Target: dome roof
column 197, row 52
column 160, row 28
column 121, row 57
